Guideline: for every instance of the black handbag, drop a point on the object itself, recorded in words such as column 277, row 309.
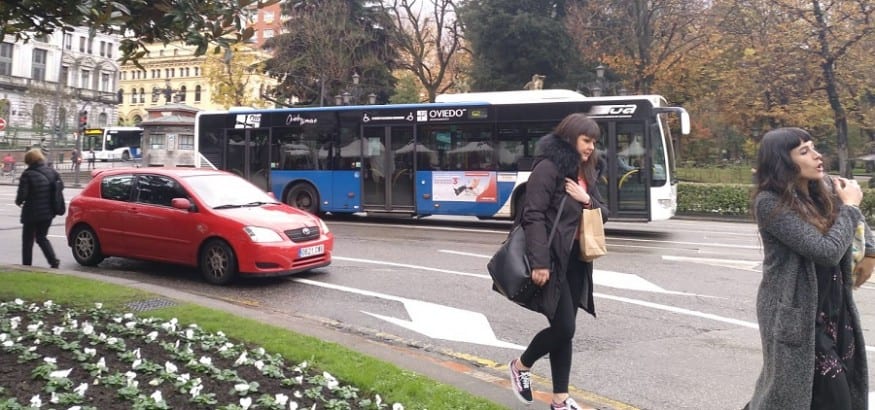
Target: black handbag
column 510, row 268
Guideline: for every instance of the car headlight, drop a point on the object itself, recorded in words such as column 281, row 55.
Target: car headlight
column 322, row 226
column 259, row 234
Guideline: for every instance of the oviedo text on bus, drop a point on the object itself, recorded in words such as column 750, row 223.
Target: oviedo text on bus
column 466, row 154
column 112, row 143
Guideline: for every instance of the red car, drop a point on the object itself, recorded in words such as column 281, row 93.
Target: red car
column 212, row 220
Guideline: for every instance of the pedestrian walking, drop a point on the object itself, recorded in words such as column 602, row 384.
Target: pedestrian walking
column 34, row 198
column 814, row 356
column 76, row 159
column 565, row 165
column 91, row 158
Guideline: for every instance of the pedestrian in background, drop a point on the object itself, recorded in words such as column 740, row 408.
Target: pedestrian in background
column 34, row 198
column 565, row 165
column 76, row 159
column 91, row 158
column 814, row 356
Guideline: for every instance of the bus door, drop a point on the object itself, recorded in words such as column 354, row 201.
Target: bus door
column 387, row 169
column 623, row 172
column 247, row 154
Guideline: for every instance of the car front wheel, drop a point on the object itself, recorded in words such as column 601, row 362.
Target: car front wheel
column 218, row 263
column 86, row 247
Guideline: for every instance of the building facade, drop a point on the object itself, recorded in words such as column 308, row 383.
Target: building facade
column 45, row 83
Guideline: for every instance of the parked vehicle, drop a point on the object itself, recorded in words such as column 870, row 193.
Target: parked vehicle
column 212, row 220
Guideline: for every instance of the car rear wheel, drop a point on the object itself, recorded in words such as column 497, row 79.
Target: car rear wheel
column 218, row 263
column 304, row 197
column 86, row 246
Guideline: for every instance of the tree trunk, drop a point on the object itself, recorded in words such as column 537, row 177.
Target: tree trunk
column 829, row 77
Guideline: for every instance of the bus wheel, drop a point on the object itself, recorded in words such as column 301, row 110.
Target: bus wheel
column 304, row 197
column 126, row 156
column 86, row 246
column 218, row 263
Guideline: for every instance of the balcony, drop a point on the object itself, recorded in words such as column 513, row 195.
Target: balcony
column 29, row 84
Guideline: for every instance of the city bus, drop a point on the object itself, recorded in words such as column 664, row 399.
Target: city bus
column 467, row 154
column 112, row 143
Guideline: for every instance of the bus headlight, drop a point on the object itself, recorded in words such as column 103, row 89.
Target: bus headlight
column 259, row 234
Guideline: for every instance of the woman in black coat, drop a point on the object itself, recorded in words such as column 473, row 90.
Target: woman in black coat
column 565, row 165
column 34, row 198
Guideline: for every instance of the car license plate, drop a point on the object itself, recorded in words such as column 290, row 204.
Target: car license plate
column 311, row 251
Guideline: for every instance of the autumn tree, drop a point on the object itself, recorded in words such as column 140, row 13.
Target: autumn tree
column 235, row 77
column 327, row 42
column 430, row 42
column 511, row 40
column 200, row 23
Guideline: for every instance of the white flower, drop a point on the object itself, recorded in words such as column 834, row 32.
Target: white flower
column 128, row 316
column 170, row 367
column 13, row 323
column 34, row 327
column 102, row 337
column 60, row 374
column 74, row 324
column 3, row 337
column 111, row 340
column 58, row 330
column 206, row 361
column 81, row 389
column 101, row 364
column 54, row 399
column 299, row 379
column 130, row 375
column 258, row 364
column 137, row 353
column 241, row 387
column 98, row 305
column 397, row 406
column 20, row 302
column 75, row 408
column 189, row 334
column 51, row 360
column 241, row 360
column 245, row 402
column 90, row 351
column 185, row 377
column 281, row 399
column 259, row 351
column 154, row 382
column 297, row 394
column 196, row 390
column 35, row 401
column 130, row 325
column 293, row 405
column 152, row 335
column 379, row 400
column 330, row 382
column 87, row 328
column 136, row 363
column 226, row 346
column 157, row 396
column 117, row 319
column 8, row 343
column 48, row 303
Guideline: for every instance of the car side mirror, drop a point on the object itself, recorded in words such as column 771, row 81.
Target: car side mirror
column 182, row 203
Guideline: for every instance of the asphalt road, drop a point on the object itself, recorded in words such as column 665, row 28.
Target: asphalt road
column 676, row 326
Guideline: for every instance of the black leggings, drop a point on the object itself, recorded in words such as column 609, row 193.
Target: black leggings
column 37, row 231
column 556, row 339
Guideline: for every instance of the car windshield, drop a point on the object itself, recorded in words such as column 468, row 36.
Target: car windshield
column 227, row 191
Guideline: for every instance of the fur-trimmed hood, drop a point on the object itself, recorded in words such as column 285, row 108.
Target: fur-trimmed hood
column 562, row 154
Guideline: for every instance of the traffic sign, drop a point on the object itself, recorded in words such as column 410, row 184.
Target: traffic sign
column 2, row 124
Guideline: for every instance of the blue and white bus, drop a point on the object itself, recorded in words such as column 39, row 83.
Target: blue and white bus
column 113, row 143
column 467, row 154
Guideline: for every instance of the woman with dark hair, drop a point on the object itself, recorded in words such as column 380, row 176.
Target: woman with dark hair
column 34, row 198
column 813, row 350
column 565, row 165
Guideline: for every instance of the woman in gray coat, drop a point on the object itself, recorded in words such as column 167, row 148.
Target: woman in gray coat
column 814, row 356
column 565, row 167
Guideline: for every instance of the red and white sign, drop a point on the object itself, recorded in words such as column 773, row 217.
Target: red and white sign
column 2, row 124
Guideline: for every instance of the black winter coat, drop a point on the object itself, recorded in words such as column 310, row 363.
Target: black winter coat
column 556, row 160
column 34, row 192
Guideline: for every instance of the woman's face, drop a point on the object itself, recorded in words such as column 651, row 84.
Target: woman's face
column 585, row 146
column 809, row 161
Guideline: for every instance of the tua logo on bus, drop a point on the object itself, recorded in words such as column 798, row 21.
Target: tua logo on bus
column 613, row 110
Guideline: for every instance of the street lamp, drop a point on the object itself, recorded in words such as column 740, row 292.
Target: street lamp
column 169, row 93
column 354, row 96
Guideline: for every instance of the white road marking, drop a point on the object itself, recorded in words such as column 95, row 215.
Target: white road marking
column 726, row 263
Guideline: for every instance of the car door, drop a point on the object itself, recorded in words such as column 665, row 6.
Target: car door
column 109, row 214
column 163, row 232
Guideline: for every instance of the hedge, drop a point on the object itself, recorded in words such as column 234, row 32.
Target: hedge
column 733, row 200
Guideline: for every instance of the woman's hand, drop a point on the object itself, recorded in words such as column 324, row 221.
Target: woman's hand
column 540, row 276
column 576, row 191
column 848, row 190
column 863, row 269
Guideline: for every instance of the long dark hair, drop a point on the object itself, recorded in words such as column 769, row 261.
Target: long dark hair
column 573, row 126
column 776, row 172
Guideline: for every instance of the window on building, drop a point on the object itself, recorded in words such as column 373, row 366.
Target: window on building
column 82, row 44
column 65, row 75
column 182, row 93
column 197, row 71
column 38, row 70
column 85, row 79
column 175, row 52
column 197, row 93
column 103, row 48
column 185, row 141
column 268, row 16
column 68, row 41
column 155, row 93
column 104, row 82
column 90, row 45
column 142, row 95
column 160, row 53
column 102, row 119
column 120, row 97
column 138, row 119
column 5, row 59
column 62, row 114
column 267, row 33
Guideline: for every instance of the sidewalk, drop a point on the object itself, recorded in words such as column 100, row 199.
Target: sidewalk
column 486, row 380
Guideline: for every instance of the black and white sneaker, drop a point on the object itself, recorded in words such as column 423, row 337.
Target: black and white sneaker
column 568, row 404
column 520, row 383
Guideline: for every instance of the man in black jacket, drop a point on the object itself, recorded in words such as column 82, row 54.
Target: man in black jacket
column 35, row 199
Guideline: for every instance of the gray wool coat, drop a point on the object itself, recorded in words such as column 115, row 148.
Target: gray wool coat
column 787, row 303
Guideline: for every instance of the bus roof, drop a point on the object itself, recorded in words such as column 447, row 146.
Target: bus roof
column 536, row 96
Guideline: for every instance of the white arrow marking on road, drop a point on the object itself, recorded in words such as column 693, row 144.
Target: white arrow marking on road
column 725, row 263
column 433, row 320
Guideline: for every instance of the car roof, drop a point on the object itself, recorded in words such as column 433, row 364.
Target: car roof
column 173, row 172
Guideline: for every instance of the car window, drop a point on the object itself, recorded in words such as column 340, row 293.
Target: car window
column 158, row 190
column 117, row 187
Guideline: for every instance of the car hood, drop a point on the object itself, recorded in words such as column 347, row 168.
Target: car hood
column 280, row 217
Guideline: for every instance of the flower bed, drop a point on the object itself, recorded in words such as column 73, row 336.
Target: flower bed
column 57, row 358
